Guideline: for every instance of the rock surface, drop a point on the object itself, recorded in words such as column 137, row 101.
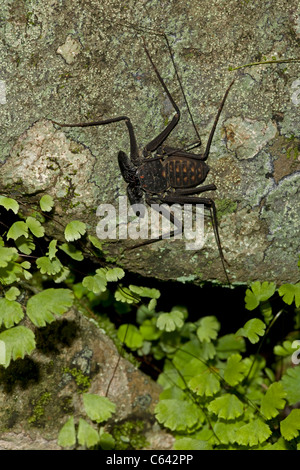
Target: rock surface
column 73, row 356
column 80, row 61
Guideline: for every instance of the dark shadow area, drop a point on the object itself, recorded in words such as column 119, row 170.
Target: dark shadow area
column 22, row 372
column 53, row 337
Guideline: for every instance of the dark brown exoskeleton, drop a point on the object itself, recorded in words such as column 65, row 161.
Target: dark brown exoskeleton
column 170, row 175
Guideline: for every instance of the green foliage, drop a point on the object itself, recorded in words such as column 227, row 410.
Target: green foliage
column 215, row 394
column 98, row 409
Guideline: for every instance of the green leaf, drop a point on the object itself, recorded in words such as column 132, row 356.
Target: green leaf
column 206, row 384
column 170, row 321
column 229, row 344
column 52, row 249
column 98, row 408
column 252, row 330
column 149, row 330
column 226, row 431
column 6, row 255
column 18, row 229
column 253, row 433
column 123, row 294
column 35, row 227
column 87, row 435
column 130, row 336
column 145, row 291
column 291, row 381
column 96, row 242
column 208, row 328
column 273, row 400
column 227, row 406
column 25, row 245
column 290, row 426
column 96, row 283
column 18, row 342
column 9, row 204
column 10, row 312
column 46, row 203
column 259, row 293
column 235, row 369
column 2, row 353
column 188, row 443
column 286, row 349
column 49, row 266
column 67, row 434
column 74, row 230
column 107, row 442
column 72, row 251
column 289, row 293
column 114, row 274
column 12, row 293
column 42, row 307
column 178, row 415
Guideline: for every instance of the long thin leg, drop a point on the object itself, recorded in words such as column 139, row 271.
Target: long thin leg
column 211, row 205
column 155, row 143
column 211, row 135
column 165, row 213
column 133, row 145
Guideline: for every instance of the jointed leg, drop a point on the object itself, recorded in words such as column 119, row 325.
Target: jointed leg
column 133, row 145
column 209, row 203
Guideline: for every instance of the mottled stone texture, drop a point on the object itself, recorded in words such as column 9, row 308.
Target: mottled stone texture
column 73, row 356
column 78, row 60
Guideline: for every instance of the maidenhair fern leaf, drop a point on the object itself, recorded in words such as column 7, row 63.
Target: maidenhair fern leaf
column 273, row 400
column 170, row 321
column 52, row 249
column 107, row 441
column 229, row 344
column 96, row 283
column 130, row 336
column 289, row 293
column 114, row 274
column 74, row 230
column 6, row 255
column 123, row 294
column 18, row 229
column 226, row 431
column 208, row 328
column 9, row 204
column 291, row 381
column 178, row 415
column 46, row 203
column 19, row 341
column 25, row 245
column 286, row 349
column 35, row 227
column 206, row 384
column 290, row 426
column 98, row 408
column 87, row 435
column 188, row 443
column 49, row 266
column 235, row 369
column 259, row 293
column 72, row 251
column 252, row 330
column 145, row 291
column 12, row 293
column 10, row 312
column 42, row 307
column 2, row 353
column 227, row 406
column 67, row 434
column 253, row 433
